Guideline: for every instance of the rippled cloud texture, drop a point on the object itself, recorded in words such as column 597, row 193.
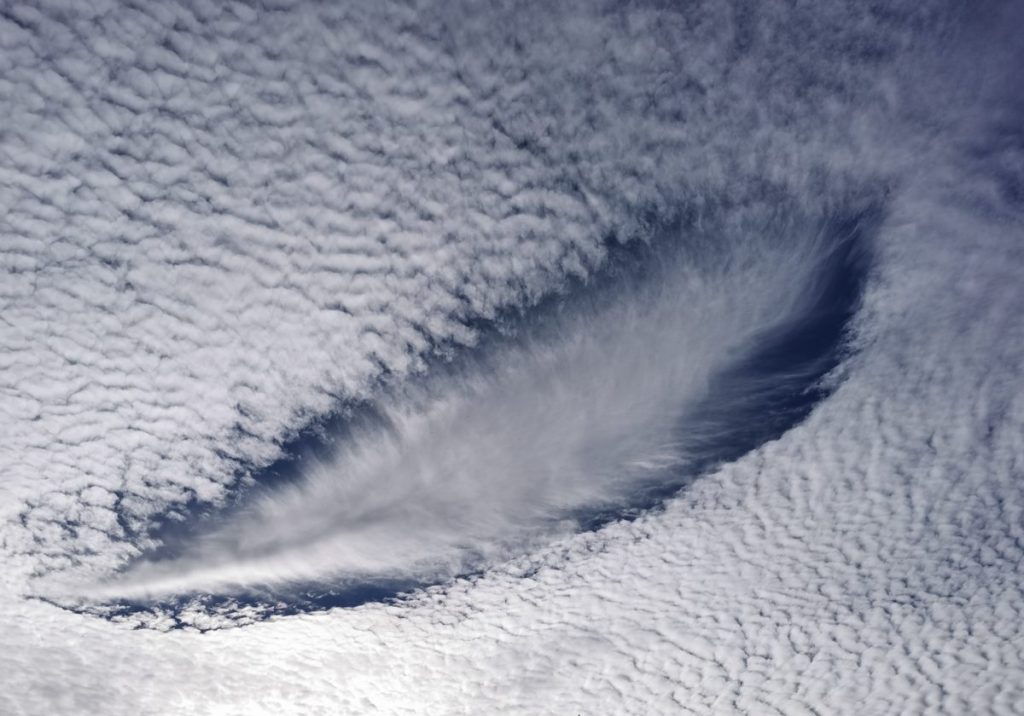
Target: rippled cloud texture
column 222, row 222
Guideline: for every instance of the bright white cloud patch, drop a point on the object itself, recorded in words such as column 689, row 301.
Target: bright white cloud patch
column 220, row 222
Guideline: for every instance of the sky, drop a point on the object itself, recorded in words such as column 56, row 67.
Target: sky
column 457, row 358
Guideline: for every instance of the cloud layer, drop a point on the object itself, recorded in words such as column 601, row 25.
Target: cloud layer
column 352, row 193
column 221, row 222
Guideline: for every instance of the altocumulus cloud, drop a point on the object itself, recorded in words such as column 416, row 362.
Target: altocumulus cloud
column 220, row 222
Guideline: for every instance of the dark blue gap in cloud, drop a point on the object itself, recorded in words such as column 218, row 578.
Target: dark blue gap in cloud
column 749, row 403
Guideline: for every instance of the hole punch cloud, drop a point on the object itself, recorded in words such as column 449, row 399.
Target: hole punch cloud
column 627, row 392
column 221, row 221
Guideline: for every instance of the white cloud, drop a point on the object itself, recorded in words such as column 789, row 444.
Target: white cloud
column 219, row 222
